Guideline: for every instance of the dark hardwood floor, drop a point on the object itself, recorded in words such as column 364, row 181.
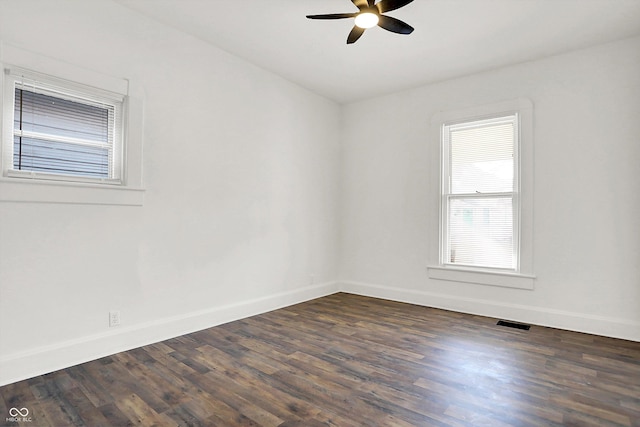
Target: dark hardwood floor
column 347, row 360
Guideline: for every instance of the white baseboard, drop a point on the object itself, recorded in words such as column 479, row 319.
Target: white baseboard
column 42, row 360
column 579, row 322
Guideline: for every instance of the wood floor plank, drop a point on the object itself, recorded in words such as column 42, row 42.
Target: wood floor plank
column 348, row 361
column 117, row 379
column 115, row 416
column 242, row 406
column 140, row 413
column 160, row 354
column 256, row 387
column 96, row 393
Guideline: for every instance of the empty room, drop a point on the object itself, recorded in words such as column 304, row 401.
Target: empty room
column 320, row 213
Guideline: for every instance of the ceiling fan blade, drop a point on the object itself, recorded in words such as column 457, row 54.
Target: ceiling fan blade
column 355, row 34
column 333, row 16
column 361, row 4
column 394, row 25
column 388, row 5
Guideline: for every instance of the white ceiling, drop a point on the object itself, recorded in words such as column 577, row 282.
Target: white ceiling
column 451, row 37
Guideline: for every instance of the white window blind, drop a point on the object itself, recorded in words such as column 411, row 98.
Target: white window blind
column 480, row 206
column 65, row 130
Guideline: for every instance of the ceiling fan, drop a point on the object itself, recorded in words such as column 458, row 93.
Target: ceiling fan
column 369, row 15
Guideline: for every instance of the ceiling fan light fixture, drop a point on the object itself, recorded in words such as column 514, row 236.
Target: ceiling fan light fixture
column 369, row 15
column 367, row 20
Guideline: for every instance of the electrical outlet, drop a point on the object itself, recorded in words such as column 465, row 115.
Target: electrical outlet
column 114, row 318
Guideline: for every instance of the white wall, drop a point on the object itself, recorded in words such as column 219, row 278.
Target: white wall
column 240, row 209
column 586, row 232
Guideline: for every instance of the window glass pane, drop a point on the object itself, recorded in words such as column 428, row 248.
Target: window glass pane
column 40, row 155
column 481, row 232
column 482, row 158
column 54, row 116
column 67, row 137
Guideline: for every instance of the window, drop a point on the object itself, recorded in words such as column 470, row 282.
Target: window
column 482, row 186
column 61, row 130
column 69, row 134
column 480, row 206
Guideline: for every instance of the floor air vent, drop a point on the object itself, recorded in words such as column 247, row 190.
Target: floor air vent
column 513, row 325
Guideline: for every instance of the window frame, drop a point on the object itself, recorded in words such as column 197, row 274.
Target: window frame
column 447, row 195
column 522, row 276
column 130, row 192
column 17, row 77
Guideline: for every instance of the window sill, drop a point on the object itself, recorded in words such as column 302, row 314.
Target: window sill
column 482, row 277
column 40, row 191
